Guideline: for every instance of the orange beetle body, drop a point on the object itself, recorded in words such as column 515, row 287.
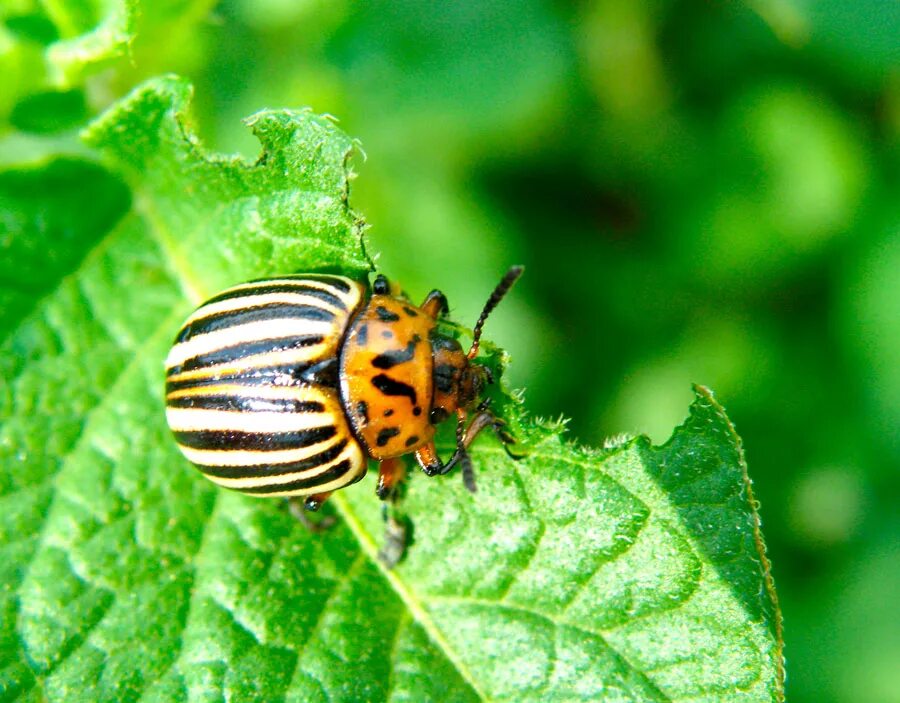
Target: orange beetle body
column 386, row 367
column 286, row 386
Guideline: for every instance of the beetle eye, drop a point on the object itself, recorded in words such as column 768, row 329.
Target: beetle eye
column 381, row 285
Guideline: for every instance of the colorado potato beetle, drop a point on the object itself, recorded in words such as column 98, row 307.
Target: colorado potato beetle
column 287, row 386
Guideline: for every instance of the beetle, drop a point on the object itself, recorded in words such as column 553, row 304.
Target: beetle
column 287, row 386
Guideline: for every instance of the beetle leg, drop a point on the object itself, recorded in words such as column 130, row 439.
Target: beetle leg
column 395, row 540
column 485, row 418
column 435, row 304
column 482, row 420
column 431, row 463
column 313, row 502
column 310, row 504
column 391, row 473
column 428, row 459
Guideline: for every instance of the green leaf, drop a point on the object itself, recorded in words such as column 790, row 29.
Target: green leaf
column 635, row 573
column 52, row 111
column 46, row 228
column 93, row 33
column 49, row 50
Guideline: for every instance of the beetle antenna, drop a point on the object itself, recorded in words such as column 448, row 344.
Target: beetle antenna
column 501, row 290
column 468, row 473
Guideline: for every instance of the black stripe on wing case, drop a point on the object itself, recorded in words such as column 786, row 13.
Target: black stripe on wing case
column 260, row 376
column 236, row 352
column 233, row 402
column 335, row 281
column 256, row 313
column 265, row 470
column 260, row 441
column 335, row 472
column 264, row 288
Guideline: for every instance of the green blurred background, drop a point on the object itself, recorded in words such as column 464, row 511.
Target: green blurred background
column 701, row 192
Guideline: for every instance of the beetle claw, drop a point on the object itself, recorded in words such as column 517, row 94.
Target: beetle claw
column 299, row 512
column 395, row 541
column 432, row 470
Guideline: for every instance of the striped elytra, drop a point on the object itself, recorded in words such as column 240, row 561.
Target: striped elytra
column 251, row 387
column 288, row 386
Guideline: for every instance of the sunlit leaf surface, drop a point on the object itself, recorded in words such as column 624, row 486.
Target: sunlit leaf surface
column 635, row 573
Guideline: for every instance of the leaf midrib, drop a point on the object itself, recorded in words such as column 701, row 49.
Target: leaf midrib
column 669, row 512
column 414, row 605
column 367, row 541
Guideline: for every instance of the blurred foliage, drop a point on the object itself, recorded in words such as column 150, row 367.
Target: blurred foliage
column 703, row 192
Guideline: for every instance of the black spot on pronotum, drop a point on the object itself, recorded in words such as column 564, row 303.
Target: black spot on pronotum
column 362, row 409
column 385, row 435
column 386, row 315
column 389, row 386
column 412, row 440
column 388, row 412
column 387, row 334
column 417, row 411
column 391, row 358
column 409, row 311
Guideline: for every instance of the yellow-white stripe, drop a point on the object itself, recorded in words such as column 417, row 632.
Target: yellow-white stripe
column 254, row 361
column 351, row 452
column 350, row 298
column 217, row 404
column 299, row 393
column 253, row 301
column 253, row 457
column 242, row 334
column 199, row 419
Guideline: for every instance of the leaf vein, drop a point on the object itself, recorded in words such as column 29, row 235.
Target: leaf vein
column 406, row 594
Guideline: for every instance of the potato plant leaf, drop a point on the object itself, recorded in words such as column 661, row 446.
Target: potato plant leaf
column 636, row 573
column 49, row 51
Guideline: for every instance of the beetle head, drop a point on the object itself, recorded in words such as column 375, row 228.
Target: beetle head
column 458, row 381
